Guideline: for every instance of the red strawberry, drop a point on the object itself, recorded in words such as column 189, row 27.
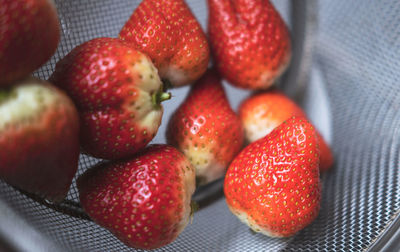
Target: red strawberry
column 167, row 31
column 118, row 93
column 39, row 138
column 206, row 129
column 29, row 35
column 250, row 42
column 145, row 201
column 273, row 184
column 263, row 112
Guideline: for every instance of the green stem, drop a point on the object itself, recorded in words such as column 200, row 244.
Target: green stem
column 194, row 207
column 159, row 97
column 4, row 95
column 164, row 97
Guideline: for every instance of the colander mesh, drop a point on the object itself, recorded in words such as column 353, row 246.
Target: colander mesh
column 357, row 52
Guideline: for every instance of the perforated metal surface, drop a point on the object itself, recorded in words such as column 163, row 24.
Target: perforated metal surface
column 356, row 71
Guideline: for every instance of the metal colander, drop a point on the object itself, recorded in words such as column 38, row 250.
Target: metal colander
column 346, row 74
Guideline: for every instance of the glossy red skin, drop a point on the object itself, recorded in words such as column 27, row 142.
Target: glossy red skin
column 101, row 92
column 275, row 180
column 29, row 35
column 277, row 107
column 140, row 200
column 168, row 32
column 206, row 120
column 42, row 154
column 249, row 40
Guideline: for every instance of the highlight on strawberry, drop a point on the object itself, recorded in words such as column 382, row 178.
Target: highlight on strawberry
column 118, row 94
column 168, row 32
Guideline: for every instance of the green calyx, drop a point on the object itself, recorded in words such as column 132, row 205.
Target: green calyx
column 5, row 95
column 159, row 97
column 194, row 207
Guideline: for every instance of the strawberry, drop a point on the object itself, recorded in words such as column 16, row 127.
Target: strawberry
column 273, row 184
column 29, row 35
column 206, row 129
column 250, row 42
column 39, row 138
column 118, row 93
column 262, row 112
column 144, row 201
column 167, row 31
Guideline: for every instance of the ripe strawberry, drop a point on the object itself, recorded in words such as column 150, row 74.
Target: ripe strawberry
column 273, row 184
column 29, row 35
column 118, row 93
column 250, row 42
column 206, row 129
column 167, row 31
column 145, row 201
column 39, row 138
column 263, row 112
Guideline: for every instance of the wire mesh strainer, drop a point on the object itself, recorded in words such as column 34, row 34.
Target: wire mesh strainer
column 345, row 73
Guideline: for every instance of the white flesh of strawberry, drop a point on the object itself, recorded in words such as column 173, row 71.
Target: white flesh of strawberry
column 205, row 164
column 266, row 77
column 256, row 127
column 25, row 102
column 148, row 115
column 243, row 217
column 175, row 75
